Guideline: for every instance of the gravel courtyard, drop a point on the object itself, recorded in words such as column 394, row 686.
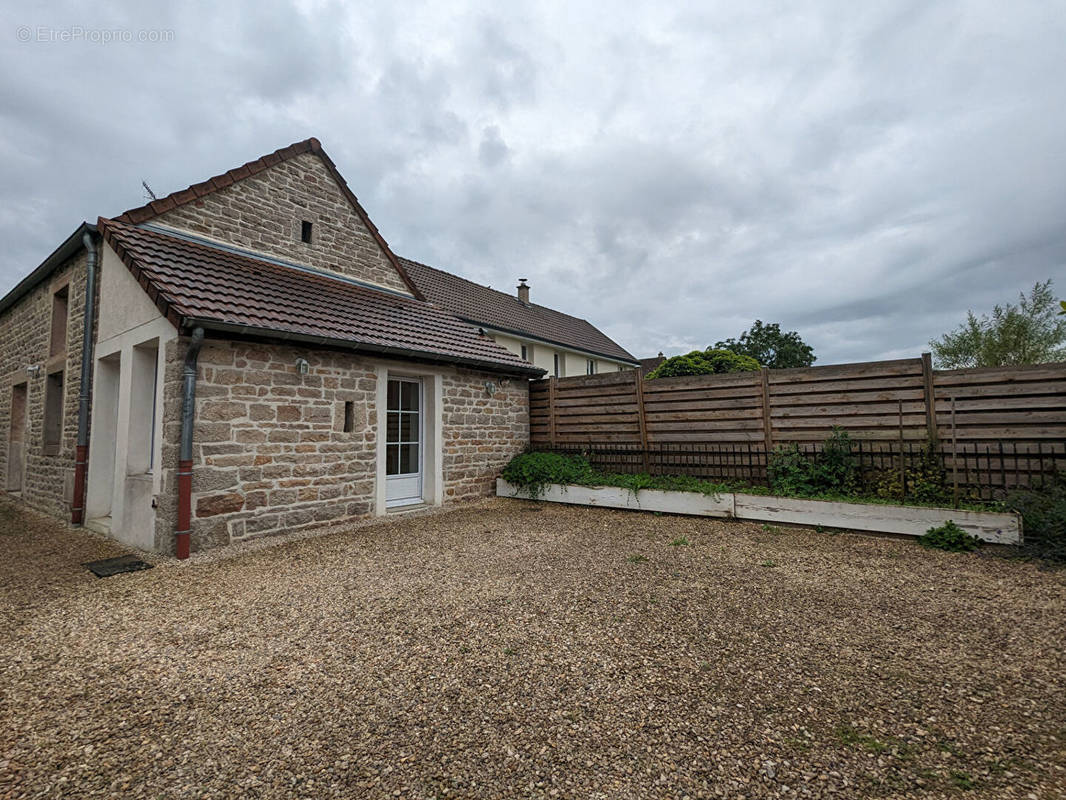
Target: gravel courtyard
column 510, row 650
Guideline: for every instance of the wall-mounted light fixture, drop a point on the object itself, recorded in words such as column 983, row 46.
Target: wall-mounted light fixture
column 33, row 370
column 490, row 388
column 303, row 366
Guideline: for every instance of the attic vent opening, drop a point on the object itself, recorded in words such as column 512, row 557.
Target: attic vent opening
column 305, row 231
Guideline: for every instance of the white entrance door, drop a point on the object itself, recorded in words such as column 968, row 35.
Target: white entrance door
column 403, row 442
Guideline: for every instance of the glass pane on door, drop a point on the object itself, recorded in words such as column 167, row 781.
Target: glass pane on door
column 408, row 428
column 409, row 396
column 408, row 459
column 403, row 440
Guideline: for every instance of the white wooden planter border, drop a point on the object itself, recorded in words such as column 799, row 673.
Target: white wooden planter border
column 989, row 526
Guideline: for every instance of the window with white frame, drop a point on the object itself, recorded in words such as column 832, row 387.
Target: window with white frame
column 590, row 366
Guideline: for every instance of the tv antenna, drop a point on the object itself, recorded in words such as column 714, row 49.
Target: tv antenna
column 150, row 194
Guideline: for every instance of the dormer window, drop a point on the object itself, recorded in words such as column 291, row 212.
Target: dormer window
column 305, row 232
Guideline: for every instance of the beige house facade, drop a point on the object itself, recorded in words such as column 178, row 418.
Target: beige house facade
column 556, row 359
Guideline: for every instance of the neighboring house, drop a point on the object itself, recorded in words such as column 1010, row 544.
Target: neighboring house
column 649, row 364
column 558, row 343
column 242, row 357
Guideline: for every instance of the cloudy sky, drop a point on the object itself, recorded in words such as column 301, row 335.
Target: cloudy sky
column 860, row 172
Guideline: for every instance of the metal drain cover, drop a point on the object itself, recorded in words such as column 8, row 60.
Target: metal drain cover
column 107, row 567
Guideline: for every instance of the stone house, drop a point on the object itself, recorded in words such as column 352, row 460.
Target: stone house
column 244, row 357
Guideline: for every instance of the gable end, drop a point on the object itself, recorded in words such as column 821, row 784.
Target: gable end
column 180, row 209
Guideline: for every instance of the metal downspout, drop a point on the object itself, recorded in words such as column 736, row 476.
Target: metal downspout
column 188, row 412
column 81, row 458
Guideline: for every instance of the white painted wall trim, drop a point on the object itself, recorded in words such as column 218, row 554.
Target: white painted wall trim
column 380, row 404
column 121, row 485
column 432, row 431
column 434, row 388
column 989, row 526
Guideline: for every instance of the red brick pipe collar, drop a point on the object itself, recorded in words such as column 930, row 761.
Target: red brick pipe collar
column 81, row 466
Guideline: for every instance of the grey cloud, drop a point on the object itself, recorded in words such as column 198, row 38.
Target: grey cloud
column 508, row 73
column 859, row 173
column 493, row 149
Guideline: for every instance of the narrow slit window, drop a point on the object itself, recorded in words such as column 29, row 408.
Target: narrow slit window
column 58, row 342
column 590, row 367
column 556, row 365
column 53, row 413
column 525, row 353
column 349, row 416
column 305, row 231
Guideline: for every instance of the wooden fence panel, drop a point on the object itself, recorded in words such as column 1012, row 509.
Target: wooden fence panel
column 726, row 424
column 694, row 410
column 990, row 405
column 862, row 399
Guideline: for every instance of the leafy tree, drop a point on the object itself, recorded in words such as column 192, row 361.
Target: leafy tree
column 703, row 362
column 1027, row 333
column 770, row 347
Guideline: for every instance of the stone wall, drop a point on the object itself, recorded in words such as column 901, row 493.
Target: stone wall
column 269, row 450
column 263, row 213
column 270, row 454
column 481, row 433
column 25, row 333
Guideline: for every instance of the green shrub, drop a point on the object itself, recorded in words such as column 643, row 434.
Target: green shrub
column 834, row 470
column 839, row 466
column 791, row 472
column 533, row 471
column 1043, row 510
column 690, row 364
column 704, row 362
column 950, row 537
column 927, row 480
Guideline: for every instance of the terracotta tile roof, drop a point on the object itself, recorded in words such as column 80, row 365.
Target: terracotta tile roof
column 194, row 282
column 491, row 308
column 197, row 190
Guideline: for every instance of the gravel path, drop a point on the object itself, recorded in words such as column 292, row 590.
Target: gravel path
column 515, row 650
